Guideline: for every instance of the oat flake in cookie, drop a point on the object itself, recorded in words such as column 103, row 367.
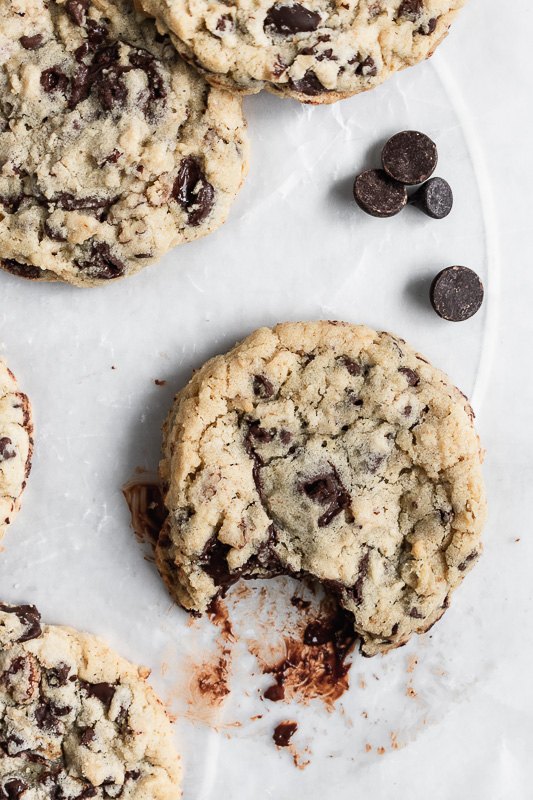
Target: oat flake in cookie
column 76, row 720
column 112, row 149
column 16, row 445
column 325, row 451
column 317, row 51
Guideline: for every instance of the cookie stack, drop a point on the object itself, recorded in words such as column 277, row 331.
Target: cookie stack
column 113, row 149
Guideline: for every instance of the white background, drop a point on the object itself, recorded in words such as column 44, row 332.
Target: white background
column 296, row 247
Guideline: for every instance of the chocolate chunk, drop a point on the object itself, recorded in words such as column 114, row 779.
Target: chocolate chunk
column 110, row 88
column 80, row 86
column 285, row 437
column 357, row 589
column 378, row 194
column 87, row 736
column 13, row 789
column 456, row 293
column 102, row 691
column 275, row 693
column 415, row 613
column 12, row 203
column 29, row 617
column 213, row 560
column 7, row 450
column 352, row 366
column 97, row 34
column 411, row 9
column 32, row 42
column 412, row 377
column 69, row 202
column 309, row 85
column 58, row 676
column 326, row 489
column 434, row 198
column 48, row 716
column 429, row 27
column 102, row 263
column 144, row 60
column 193, row 191
column 472, row 557
column 22, row 270
column 260, row 434
column 263, row 388
column 291, row 19
column 54, row 80
column 409, row 157
column 89, row 791
column 284, row 732
column 77, row 10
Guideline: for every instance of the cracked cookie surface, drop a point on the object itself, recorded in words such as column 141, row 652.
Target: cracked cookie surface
column 317, row 51
column 76, row 720
column 325, row 451
column 112, row 149
column 16, row 445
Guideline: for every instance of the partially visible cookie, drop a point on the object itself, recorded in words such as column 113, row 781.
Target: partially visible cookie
column 76, row 720
column 16, row 445
column 112, row 149
column 316, row 51
column 329, row 452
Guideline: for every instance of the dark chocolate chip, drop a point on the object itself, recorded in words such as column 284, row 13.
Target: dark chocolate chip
column 87, row 736
column 102, row 691
column 54, row 80
column 21, row 270
column 409, row 157
column 102, row 263
column 326, row 489
column 284, row 732
column 285, row 437
column 411, row 9
column 291, row 19
column 58, row 676
column 97, row 34
column 32, row 42
column 144, row 60
column 352, row 366
column 193, row 191
column 308, row 85
column 472, row 557
column 110, row 88
column 7, row 450
column 80, row 86
column 378, row 194
column 77, row 10
column 362, row 572
column 434, row 198
column 415, row 613
column 365, row 66
column 456, row 293
column 260, row 434
column 429, row 27
column 213, row 560
column 13, row 789
column 28, row 616
column 275, row 693
column 263, row 388
column 412, row 377
column 224, row 23
column 68, row 202
column 12, row 203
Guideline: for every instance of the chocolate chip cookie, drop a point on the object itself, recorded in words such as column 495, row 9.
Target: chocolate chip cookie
column 331, row 453
column 112, row 149
column 76, row 720
column 316, row 51
column 16, row 445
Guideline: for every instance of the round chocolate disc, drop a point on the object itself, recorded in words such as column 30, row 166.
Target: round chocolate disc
column 410, row 157
column 456, row 293
column 379, row 195
column 434, row 198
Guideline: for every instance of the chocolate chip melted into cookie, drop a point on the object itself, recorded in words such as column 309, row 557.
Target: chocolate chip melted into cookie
column 44, row 720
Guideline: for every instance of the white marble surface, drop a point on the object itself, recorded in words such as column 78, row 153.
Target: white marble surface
column 296, row 247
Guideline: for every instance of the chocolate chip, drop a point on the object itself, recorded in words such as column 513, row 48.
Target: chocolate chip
column 97, row 34
column 456, row 293
column 428, row 28
column 409, row 157
column 352, row 366
column 102, row 691
column 7, row 450
column 284, row 732
column 291, row 19
column 362, row 572
column 326, row 489
column 80, row 86
column 102, row 263
column 13, row 789
column 87, row 736
column 12, row 203
column 224, row 23
column 89, row 791
column 285, row 437
column 213, row 560
column 411, row 9
column 110, row 88
column 472, row 557
column 47, row 716
column 263, row 388
column 309, row 85
column 32, row 42
column 415, row 613
column 29, row 617
column 434, row 198
column 58, row 676
column 144, row 60
column 77, row 10
column 21, row 270
column 378, row 194
column 68, row 202
column 275, row 693
column 260, row 434
column 54, row 80
column 193, row 191
column 412, row 377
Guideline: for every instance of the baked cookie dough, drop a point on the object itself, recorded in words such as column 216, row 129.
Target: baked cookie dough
column 16, row 445
column 329, row 452
column 112, row 149
column 76, row 720
column 317, row 51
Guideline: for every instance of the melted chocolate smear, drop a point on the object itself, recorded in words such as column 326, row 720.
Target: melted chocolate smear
column 316, row 667
column 284, row 732
column 148, row 512
column 29, row 617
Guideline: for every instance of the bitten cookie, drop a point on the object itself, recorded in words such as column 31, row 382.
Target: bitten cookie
column 16, row 445
column 76, row 720
column 330, row 452
column 316, row 51
column 112, row 149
